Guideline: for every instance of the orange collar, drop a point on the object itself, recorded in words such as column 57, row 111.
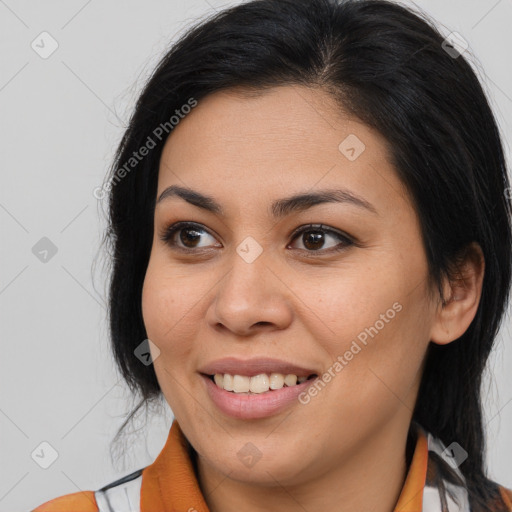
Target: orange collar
column 411, row 497
column 170, row 483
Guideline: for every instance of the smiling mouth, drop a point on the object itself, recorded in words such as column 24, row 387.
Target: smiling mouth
column 262, row 383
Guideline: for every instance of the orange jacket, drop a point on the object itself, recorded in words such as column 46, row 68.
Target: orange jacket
column 170, row 484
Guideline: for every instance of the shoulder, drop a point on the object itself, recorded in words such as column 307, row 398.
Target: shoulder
column 78, row 502
column 506, row 496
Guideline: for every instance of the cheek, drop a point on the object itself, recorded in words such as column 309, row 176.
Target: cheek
column 380, row 323
column 382, row 362
column 164, row 313
column 355, row 303
column 164, row 310
column 157, row 304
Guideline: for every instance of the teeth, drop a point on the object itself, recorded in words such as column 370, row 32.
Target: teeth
column 290, row 380
column 228, row 382
column 276, row 380
column 256, row 384
column 260, row 383
column 241, row 384
column 219, row 380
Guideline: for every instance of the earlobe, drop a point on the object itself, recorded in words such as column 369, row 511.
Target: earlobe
column 461, row 297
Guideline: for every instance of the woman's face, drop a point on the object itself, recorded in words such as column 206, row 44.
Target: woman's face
column 348, row 302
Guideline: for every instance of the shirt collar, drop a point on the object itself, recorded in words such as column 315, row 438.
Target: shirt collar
column 411, row 497
column 170, row 483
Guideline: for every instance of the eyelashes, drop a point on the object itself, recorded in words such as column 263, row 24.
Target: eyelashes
column 168, row 234
column 196, row 231
column 344, row 240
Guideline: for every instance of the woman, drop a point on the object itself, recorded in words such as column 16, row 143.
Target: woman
column 310, row 229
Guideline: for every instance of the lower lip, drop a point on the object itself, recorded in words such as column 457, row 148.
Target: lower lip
column 257, row 405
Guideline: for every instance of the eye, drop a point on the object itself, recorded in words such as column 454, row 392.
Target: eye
column 314, row 236
column 190, row 234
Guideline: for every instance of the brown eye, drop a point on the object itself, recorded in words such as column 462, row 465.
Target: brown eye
column 186, row 237
column 189, row 235
column 315, row 237
column 313, row 240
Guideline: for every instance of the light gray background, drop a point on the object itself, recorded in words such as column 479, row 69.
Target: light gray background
column 61, row 119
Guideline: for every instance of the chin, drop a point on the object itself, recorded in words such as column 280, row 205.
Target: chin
column 266, row 466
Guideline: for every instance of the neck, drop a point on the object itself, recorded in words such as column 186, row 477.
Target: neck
column 370, row 479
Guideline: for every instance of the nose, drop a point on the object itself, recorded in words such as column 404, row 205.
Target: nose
column 251, row 297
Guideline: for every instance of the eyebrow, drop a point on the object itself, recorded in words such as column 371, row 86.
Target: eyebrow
column 279, row 208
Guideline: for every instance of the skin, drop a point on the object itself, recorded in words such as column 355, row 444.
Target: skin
column 294, row 302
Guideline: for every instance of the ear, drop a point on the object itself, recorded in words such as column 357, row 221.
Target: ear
column 462, row 296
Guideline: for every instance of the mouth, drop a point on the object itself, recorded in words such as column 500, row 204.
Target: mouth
column 255, row 388
column 257, row 384
column 263, row 402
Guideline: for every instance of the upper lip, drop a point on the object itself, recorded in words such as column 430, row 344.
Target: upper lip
column 254, row 366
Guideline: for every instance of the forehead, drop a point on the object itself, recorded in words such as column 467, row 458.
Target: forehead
column 281, row 139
